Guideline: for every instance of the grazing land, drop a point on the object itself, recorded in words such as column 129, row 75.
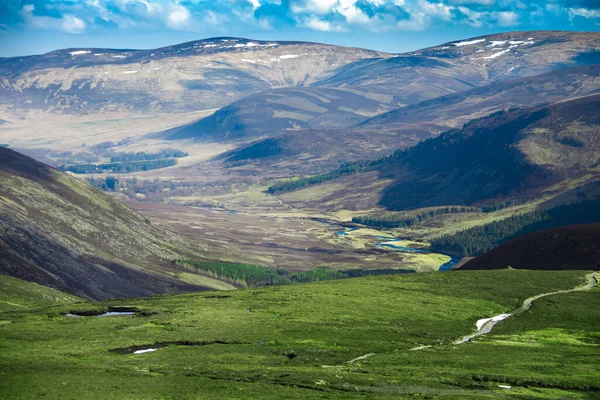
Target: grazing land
column 372, row 337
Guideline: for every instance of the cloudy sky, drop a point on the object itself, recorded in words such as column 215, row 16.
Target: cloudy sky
column 38, row 26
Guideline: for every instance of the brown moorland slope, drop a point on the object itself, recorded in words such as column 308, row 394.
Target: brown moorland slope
column 60, row 232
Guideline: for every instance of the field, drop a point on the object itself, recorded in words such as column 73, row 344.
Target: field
column 374, row 337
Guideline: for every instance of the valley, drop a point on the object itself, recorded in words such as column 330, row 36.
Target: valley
column 240, row 218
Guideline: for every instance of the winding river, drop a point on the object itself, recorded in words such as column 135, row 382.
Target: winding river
column 390, row 244
column 403, row 249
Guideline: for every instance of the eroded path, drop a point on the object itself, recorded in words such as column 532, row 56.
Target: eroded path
column 485, row 326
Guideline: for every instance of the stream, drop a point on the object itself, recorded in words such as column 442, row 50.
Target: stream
column 389, row 244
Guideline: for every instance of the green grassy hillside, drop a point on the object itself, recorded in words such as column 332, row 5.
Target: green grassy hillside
column 16, row 294
column 377, row 337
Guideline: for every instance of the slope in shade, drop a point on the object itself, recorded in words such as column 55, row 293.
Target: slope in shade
column 517, row 153
column 574, row 247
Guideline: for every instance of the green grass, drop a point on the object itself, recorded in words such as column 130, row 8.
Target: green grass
column 16, row 294
column 250, row 338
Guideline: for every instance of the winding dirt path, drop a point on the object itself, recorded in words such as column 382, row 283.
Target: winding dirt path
column 485, row 326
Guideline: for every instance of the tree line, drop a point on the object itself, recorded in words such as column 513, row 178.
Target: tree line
column 119, row 167
column 246, row 275
column 409, row 218
column 143, row 156
column 477, row 240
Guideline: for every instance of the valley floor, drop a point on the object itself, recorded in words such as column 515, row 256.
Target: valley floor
column 374, row 337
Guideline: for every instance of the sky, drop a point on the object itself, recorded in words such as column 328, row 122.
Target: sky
column 39, row 26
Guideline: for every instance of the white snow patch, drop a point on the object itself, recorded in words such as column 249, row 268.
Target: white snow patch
column 99, row 54
column 480, row 51
column 497, row 43
column 496, row 55
column 497, row 318
column 469, row 43
column 119, row 56
column 144, row 351
column 249, row 61
column 130, row 72
column 512, row 69
column 516, row 42
column 210, row 45
column 79, row 52
column 156, row 68
column 445, row 47
column 152, row 55
column 288, row 56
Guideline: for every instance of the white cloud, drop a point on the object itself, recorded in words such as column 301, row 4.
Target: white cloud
column 179, row 17
column 317, row 24
column 319, row 7
column 498, row 18
column 66, row 23
column 255, row 4
column 72, row 24
column 506, row 18
column 583, row 12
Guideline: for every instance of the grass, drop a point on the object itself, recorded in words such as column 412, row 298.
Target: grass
column 16, row 294
column 299, row 342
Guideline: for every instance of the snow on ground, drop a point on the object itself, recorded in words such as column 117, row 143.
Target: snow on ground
column 497, row 43
column 130, row 72
column 288, row 56
column 496, row 55
column 79, row 52
column 512, row 69
column 469, row 43
column 119, row 56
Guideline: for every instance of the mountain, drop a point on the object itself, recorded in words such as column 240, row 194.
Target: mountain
column 424, row 92
column 462, row 65
column 60, row 232
column 574, row 247
column 273, row 112
column 436, row 115
column 508, row 154
column 212, row 73
column 197, row 75
column 519, row 153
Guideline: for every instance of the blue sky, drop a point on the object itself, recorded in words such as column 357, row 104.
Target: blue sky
column 39, row 26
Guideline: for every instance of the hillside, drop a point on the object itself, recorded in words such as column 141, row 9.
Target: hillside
column 276, row 111
column 390, row 337
column 197, row 75
column 451, row 111
column 62, row 233
column 520, row 153
column 214, row 72
column 18, row 295
column 513, row 154
column 574, row 247
column 398, row 101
